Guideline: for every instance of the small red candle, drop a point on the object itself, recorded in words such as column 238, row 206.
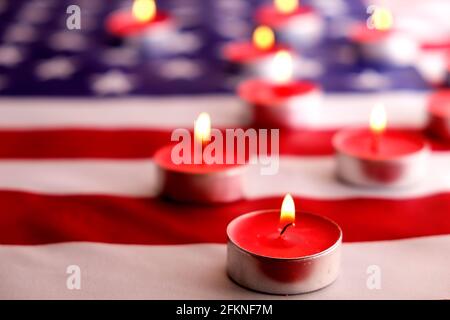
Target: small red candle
column 379, row 42
column 281, row 102
column 253, row 58
column 271, row 252
column 439, row 114
column 143, row 20
column 296, row 25
column 375, row 157
column 199, row 182
column 434, row 62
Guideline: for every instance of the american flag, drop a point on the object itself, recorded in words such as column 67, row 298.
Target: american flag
column 81, row 117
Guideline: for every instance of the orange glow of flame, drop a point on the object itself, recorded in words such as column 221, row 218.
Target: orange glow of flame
column 144, row 10
column 202, row 127
column 382, row 19
column 287, row 214
column 263, row 37
column 286, row 6
column 378, row 119
column 282, row 67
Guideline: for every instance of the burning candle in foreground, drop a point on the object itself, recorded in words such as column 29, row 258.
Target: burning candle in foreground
column 379, row 42
column 377, row 157
column 196, row 180
column 283, row 252
column 253, row 57
column 295, row 24
column 281, row 101
column 143, row 21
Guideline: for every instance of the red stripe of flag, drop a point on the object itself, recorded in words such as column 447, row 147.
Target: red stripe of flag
column 128, row 144
column 27, row 218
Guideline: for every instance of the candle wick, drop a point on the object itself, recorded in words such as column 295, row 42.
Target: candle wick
column 285, row 228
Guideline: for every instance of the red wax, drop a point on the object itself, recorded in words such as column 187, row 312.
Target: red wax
column 262, row 92
column 259, row 234
column 436, row 45
column 241, row 52
column 270, row 16
column 439, row 104
column 360, row 33
column 391, row 144
column 122, row 23
column 163, row 158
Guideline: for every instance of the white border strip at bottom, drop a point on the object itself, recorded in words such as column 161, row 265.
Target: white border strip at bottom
column 401, row 269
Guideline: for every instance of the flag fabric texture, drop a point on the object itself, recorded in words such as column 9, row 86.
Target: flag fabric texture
column 80, row 120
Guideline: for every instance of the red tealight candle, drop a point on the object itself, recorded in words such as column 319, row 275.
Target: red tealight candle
column 434, row 62
column 199, row 182
column 377, row 157
column 142, row 21
column 281, row 102
column 297, row 25
column 381, row 44
column 253, row 57
column 439, row 114
column 273, row 253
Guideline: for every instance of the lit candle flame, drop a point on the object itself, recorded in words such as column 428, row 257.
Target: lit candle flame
column 282, row 67
column 287, row 215
column 144, row 10
column 202, row 127
column 378, row 119
column 382, row 19
column 286, row 6
column 263, row 37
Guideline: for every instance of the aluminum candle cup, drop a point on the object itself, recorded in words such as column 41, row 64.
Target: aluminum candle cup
column 289, row 105
column 249, row 60
column 253, row 58
column 388, row 47
column 257, row 259
column 301, row 28
column 153, row 34
column 199, row 183
column 439, row 115
column 401, row 160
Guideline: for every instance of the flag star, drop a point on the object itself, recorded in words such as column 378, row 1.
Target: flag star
column 183, row 43
column 232, row 6
column 56, row 68
column 340, row 27
column 123, row 57
column 43, row 3
column 10, row 56
column 370, row 80
column 308, row 68
column 68, row 40
column 34, row 14
column 186, row 16
column 20, row 33
column 112, row 82
column 332, row 8
column 180, row 69
column 233, row 28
